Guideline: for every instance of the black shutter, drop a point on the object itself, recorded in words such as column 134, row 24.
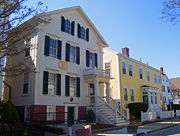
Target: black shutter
column 96, row 60
column 87, row 58
column 67, row 51
column 46, row 46
column 62, row 23
column 77, row 55
column 87, row 34
column 78, row 87
column 45, row 82
column 59, row 50
column 72, row 28
column 58, row 92
column 67, row 85
column 79, row 31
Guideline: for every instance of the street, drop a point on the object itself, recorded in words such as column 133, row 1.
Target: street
column 173, row 131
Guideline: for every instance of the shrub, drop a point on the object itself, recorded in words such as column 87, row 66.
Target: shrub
column 8, row 113
column 136, row 108
column 90, row 116
column 174, row 107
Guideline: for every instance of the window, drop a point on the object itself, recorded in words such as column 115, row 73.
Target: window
column 159, row 79
column 72, row 54
column 140, row 73
column 27, row 50
column 148, row 77
column 164, row 99
column 132, row 95
column 26, row 83
column 83, row 33
column 151, row 98
column 130, row 69
column 108, row 68
column 169, row 90
column 52, row 84
column 163, row 88
column 125, row 94
column 155, row 98
column 27, row 113
column 72, row 86
column 51, row 112
column 155, row 78
column 67, row 26
column 91, row 59
column 52, row 47
column 123, row 67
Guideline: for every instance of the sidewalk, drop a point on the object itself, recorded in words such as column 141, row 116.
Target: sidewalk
column 142, row 129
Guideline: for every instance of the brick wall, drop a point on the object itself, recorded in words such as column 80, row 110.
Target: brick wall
column 81, row 112
column 60, row 115
column 38, row 112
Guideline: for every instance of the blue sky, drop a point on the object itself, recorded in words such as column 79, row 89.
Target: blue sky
column 135, row 24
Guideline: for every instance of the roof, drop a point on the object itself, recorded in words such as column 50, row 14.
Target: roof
column 80, row 10
column 175, row 83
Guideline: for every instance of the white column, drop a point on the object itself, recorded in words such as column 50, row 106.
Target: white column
column 108, row 91
column 149, row 100
column 96, row 89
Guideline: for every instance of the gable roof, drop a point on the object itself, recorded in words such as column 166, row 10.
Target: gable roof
column 80, row 10
column 175, row 83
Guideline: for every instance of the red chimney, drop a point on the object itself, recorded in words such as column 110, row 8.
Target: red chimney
column 125, row 51
column 162, row 71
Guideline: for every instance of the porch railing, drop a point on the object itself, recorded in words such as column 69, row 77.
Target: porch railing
column 120, row 109
column 95, row 71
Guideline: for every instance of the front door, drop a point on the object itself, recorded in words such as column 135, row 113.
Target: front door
column 70, row 116
column 92, row 96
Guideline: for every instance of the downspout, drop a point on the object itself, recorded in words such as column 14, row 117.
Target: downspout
column 9, row 89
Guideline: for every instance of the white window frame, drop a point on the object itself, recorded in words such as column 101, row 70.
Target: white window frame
column 52, row 82
column 155, row 77
column 129, row 64
column 28, row 46
column 123, row 68
column 26, row 81
column 131, row 94
column 139, row 73
column 72, row 86
column 124, row 94
column 82, row 32
column 67, row 27
column 27, row 114
column 53, row 47
column 108, row 70
column 72, row 55
column 51, row 113
column 148, row 75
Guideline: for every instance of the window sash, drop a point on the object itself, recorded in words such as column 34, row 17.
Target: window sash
column 53, row 47
column 52, row 84
column 82, row 32
column 91, row 59
column 72, row 86
column 140, row 73
column 155, row 78
column 132, row 94
column 125, row 94
column 148, row 78
column 67, row 26
column 130, row 70
column 72, row 54
column 124, row 67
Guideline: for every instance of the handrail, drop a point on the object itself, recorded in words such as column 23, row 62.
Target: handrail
column 120, row 109
column 100, row 98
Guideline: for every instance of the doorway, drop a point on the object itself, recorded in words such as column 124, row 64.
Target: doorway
column 70, row 116
column 92, row 94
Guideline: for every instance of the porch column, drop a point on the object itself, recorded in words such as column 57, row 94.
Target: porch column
column 96, row 89
column 108, row 91
column 149, row 100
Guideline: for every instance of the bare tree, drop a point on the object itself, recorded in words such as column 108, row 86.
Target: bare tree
column 171, row 11
column 13, row 29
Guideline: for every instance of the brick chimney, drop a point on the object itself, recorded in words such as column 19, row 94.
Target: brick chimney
column 125, row 51
column 162, row 71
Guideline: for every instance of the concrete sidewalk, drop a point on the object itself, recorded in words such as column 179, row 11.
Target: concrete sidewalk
column 143, row 129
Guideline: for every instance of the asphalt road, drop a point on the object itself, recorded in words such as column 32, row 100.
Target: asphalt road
column 173, row 131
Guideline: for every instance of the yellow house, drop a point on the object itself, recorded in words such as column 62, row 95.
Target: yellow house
column 132, row 80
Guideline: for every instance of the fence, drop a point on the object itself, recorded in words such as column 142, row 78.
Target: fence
column 177, row 112
column 166, row 114
column 145, row 116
